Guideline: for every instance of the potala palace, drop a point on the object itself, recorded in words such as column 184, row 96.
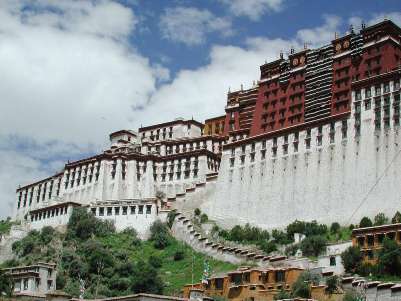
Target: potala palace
column 318, row 137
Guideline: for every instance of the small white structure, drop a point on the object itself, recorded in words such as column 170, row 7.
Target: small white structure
column 331, row 262
column 139, row 214
column 33, row 280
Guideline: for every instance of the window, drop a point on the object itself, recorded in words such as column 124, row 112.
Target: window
column 92, row 209
column 377, row 90
column 109, row 211
column 367, row 104
column 386, row 88
column 140, row 209
column 25, row 281
column 133, row 209
column 358, row 95
column 333, row 261
column 125, row 209
column 368, row 93
column 101, row 211
column 344, row 128
column 117, row 210
column 148, row 209
column 218, row 283
column 280, row 276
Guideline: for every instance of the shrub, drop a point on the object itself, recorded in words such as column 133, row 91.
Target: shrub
column 335, row 227
column 267, row 246
column 351, row 227
column 365, row 222
column 197, row 212
column 83, row 225
column 155, row 261
column 306, row 228
column 301, row 287
column 146, row 279
column 204, row 218
column 352, row 259
column 332, row 284
column 160, row 235
column 179, row 255
column 313, row 245
column 291, row 250
column 47, row 234
column 352, row 295
column 381, row 219
column 133, row 235
column 281, row 237
column 171, row 218
column 282, row 295
column 396, row 218
column 389, row 258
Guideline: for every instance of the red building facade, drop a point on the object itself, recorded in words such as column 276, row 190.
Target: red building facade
column 312, row 84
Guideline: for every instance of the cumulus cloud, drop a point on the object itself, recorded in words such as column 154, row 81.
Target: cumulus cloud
column 320, row 35
column 190, row 25
column 69, row 77
column 376, row 18
column 253, row 9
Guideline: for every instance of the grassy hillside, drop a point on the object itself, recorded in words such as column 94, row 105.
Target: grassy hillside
column 175, row 273
column 111, row 263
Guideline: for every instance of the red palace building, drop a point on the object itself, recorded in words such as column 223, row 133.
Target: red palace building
column 312, row 85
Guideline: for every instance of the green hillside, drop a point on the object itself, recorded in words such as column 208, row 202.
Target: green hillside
column 111, row 263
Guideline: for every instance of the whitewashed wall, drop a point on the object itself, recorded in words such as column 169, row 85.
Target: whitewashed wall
column 326, row 183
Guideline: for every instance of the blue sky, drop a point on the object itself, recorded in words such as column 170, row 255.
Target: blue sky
column 74, row 71
column 284, row 23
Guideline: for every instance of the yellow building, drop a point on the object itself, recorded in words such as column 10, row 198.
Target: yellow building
column 370, row 239
column 214, row 126
column 247, row 284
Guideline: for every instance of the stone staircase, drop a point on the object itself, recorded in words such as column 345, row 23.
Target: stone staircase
column 193, row 196
column 184, row 230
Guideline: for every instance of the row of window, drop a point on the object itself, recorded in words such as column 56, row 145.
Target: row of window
column 377, row 90
column 123, row 210
column 49, row 214
column 25, row 197
column 82, row 175
column 285, row 146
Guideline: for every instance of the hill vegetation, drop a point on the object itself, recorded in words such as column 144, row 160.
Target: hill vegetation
column 113, row 263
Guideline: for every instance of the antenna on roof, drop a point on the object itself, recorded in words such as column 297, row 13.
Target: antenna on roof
column 305, row 45
column 351, row 28
column 292, row 50
column 281, row 54
column 363, row 25
column 335, row 35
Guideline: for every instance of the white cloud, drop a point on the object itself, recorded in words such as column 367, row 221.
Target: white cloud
column 189, row 25
column 316, row 37
column 68, row 78
column 376, row 18
column 253, row 9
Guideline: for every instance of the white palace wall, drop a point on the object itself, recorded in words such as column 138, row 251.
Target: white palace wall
column 327, row 182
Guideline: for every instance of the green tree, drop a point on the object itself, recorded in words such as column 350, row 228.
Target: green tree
column 396, row 218
column 282, row 295
column 365, row 222
column 352, row 295
column 313, row 245
column 381, row 219
column 160, row 235
column 155, row 261
column 204, row 218
column 335, row 227
column 146, row 279
column 6, row 285
column 352, row 259
column 179, row 255
column 389, row 257
column 197, row 212
column 332, row 284
column 171, row 218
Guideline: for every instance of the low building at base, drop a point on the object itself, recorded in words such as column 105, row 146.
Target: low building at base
column 33, row 280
